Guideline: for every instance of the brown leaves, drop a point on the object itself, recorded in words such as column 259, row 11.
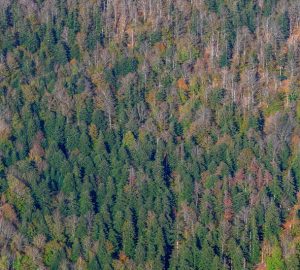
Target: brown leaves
column 245, row 158
column 124, row 262
column 295, row 142
column 60, row 101
column 4, row 129
column 186, row 220
column 39, row 241
column 37, row 152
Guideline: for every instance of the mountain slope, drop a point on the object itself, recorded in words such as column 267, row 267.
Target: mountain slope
column 148, row 134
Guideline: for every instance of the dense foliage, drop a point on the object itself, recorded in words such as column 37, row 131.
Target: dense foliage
column 149, row 134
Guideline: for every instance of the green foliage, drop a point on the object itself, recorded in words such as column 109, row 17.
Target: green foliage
column 24, row 262
column 268, row 7
column 284, row 24
column 275, row 262
column 125, row 66
column 272, row 222
column 51, row 253
column 216, row 97
column 147, row 136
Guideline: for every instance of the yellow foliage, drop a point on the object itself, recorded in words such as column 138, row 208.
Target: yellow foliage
column 194, row 85
column 204, row 139
column 217, row 81
column 53, row 245
column 244, row 125
column 93, row 132
column 142, row 135
column 150, row 98
column 129, row 139
column 39, row 241
column 194, row 127
column 185, row 109
column 4, row 72
column 81, row 264
column 4, row 263
column 29, row 93
column 97, row 79
column 298, row 111
column 16, row 187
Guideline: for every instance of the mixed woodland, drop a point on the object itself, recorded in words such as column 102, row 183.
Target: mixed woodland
column 149, row 134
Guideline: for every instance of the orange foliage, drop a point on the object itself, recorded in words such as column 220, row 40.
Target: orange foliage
column 207, row 58
column 122, row 256
column 285, row 87
column 8, row 212
column 109, row 246
column 296, row 141
column 295, row 36
column 228, row 213
column 288, row 224
column 150, row 98
column 161, row 46
column 73, row 61
column 182, row 85
column 292, row 220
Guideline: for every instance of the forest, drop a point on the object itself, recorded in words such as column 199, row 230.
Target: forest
column 149, row 134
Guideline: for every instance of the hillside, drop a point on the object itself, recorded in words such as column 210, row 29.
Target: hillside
column 149, row 135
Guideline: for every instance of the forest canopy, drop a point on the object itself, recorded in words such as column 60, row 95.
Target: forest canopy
column 151, row 134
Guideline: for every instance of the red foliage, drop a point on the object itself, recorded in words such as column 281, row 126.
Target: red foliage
column 228, row 212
